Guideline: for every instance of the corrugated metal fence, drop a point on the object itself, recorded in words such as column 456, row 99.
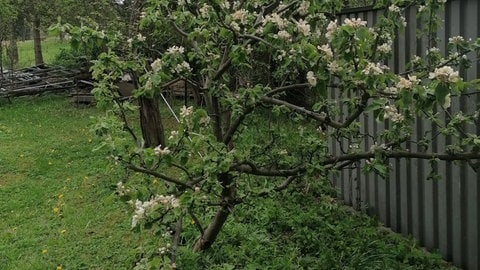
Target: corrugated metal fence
column 442, row 214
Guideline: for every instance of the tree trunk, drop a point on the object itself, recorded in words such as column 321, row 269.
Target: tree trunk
column 215, row 226
column 1, row 58
column 12, row 51
column 151, row 122
column 37, row 42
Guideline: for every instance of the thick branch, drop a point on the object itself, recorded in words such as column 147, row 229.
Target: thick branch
column 234, row 126
column 282, row 89
column 314, row 115
column 250, row 168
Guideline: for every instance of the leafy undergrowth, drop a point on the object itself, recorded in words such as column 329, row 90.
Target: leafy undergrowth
column 58, row 208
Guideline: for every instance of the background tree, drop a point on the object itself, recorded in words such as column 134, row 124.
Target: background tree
column 7, row 18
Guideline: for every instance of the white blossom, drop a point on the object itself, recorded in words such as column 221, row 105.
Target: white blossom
column 385, row 48
column 355, row 22
column 312, row 80
column 303, row 8
column 157, row 65
column 282, row 34
column 160, row 151
column 334, row 66
column 140, row 37
column 391, row 90
column 142, row 209
column 404, row 83
column 433, row 50
column 326, row 50
column 184, row 66
column 394, row 8
column 331, row 28
column 204, row 10
column 173, row 134
column 176, row 50
column 276, row 19
column 303, row 27
column 373, row 69
column 456, row 39
column 186, row 111
column 445, row 74
column 281, row 55
column 235, row 26
column 204, row 120
column 391, row 112
column 240, row 15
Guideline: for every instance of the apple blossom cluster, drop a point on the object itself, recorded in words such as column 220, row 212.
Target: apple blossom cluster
column 374, row 69
column 312, row 80
column 303, row 27
column 407, row 83
column 157, row 65
column 355, row 22
column 276, row 19
column 331, row 28
column 186, row 111
column 183, row 67
column 175, row 50
column 456, row 40
column 326, row 50
column 391, row 112
column 142, row 209
column 445, row 74
column 303, row 7
column 160, row 151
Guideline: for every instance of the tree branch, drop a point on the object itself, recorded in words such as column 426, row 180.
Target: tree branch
column 158, row 175
column 319, row 117
column 250, row 168
column 234, row 126
column 281, row 89
column 403, row 154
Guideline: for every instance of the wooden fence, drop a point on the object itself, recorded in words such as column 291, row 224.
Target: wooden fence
column 442, row 214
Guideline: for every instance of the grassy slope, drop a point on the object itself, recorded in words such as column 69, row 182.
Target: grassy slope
column 46, row 163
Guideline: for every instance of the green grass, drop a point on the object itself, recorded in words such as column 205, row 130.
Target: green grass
column 51, row 46
column 46, row 163
column 58, row 207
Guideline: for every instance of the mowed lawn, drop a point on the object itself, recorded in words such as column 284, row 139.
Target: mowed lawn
column 57, row 201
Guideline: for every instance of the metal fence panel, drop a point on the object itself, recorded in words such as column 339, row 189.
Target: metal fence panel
column 443, row 214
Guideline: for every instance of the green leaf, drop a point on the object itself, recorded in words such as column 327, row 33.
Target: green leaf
column 441, row 91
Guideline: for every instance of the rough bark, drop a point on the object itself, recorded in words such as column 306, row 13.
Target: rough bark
column 37, row 42
column 228, row 202
column 12, row 50
column 151, row 122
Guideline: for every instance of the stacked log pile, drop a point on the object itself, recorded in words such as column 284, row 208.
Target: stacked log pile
column 35, row 81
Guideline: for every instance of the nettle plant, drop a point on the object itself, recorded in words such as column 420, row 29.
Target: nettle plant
column 247, row 59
